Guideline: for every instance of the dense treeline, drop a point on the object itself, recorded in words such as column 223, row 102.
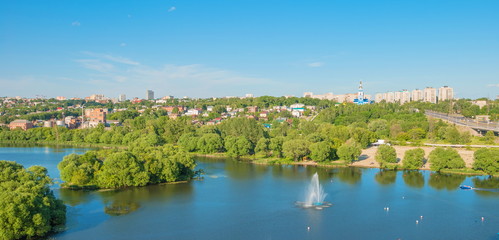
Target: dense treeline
column 136, row 166
column 337, row 133
column 28, row 208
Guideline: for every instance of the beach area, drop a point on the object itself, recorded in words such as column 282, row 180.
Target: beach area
column 367, row 158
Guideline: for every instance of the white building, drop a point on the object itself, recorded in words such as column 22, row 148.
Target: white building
column 405, row 96
column 417, row 95
column 430, row 95
column 445, row 93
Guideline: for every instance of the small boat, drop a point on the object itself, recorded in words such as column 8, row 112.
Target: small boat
column 465, row 187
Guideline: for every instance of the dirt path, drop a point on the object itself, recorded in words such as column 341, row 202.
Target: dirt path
column 366, row 159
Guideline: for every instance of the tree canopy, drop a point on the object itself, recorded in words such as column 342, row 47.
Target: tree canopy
column 28, row 208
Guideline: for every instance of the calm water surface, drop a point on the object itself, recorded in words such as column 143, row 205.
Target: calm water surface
column 238, row 200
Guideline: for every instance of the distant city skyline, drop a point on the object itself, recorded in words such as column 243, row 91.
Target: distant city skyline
column 206, row 49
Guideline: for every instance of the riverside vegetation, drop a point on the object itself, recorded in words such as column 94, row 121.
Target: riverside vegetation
column 335, row 136
column 28, row 208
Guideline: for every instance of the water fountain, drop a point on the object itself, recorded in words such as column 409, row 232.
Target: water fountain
column 315, row 195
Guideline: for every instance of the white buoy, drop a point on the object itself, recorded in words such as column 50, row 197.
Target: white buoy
column 417, row 222
column 421, row 217
column 483, row 219
column 387, row 209
column 308, row 228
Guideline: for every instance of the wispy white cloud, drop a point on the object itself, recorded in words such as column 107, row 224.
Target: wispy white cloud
column 122, row 44
column 493, row 85
column 116, row 59
column 76, row 24
column 95, row 64
column 171, row 9
column 188, row 79
column 315, row 64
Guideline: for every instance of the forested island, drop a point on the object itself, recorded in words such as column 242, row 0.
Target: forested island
column 134, row 167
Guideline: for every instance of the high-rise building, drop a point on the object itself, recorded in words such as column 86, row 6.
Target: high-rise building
column 149, row 95
column 417, row 95
column 397, row 96
column 405, row 96
column 378, row 97
column 445, row 93
column 122, row 97
column 430, row 95
column 390, row 97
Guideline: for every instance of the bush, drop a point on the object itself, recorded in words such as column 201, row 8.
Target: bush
column 349, row 152
column 386, row 154
column 487, row 160
column 413, row 159
column 445, row 158
column 321, row 152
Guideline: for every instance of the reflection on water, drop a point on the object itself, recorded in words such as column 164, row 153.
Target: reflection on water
column 74, row 197
column 386, row 177
column 486, row 186
column 350, row 175
column 441, row 181
column 119, row 208
column 124, row 201
column 413, row 179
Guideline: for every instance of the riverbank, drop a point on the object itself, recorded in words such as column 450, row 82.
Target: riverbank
column 63, row 144
column 366, row 160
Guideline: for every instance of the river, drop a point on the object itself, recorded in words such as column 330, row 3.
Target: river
column 238, row 200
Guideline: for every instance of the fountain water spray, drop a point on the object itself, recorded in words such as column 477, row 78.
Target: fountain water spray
column 315, row 195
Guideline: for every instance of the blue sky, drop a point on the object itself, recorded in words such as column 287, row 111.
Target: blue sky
column 265, row 47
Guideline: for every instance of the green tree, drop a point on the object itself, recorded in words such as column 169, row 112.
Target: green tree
column 321, row 152
column 442, row 158
column 237, row 147
column 295, row 149
column 188, row 141
column 413, row 159
column 487, row 160
column 28, row 208
column 122, row 169
column 262, row 146
column 210, row 143
column 276, row 146
column 349, row 152
column 385, row 155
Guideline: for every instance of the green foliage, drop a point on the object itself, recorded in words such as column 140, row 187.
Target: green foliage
column 487, row 160
column 322, row 151
column 445, row 158
column 237, row 147
column 188, row 141
column 276, row 146
column 413, row 159
column 28, row 208
column 137, row 166
column 349, row 152
column 122, row 169
column 249, row 128
column 210, row 143
column 386, row 154
column 295, row 149
column 263, row 146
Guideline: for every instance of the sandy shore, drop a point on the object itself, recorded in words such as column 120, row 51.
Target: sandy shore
column 367, row 159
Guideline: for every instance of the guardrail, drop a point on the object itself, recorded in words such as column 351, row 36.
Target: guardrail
column 468, row 122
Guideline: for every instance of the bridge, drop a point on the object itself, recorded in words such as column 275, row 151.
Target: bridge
column 480, row 127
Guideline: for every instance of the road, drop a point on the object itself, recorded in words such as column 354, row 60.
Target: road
column 468, row 122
